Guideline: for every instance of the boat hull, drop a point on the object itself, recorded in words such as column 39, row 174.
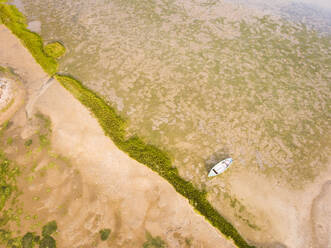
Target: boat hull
column 220, row 167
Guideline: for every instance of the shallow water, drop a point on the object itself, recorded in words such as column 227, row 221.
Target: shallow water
column 204, row 80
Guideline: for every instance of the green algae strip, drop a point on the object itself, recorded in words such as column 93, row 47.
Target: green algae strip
column 16, row 22
column 114, row 127
column 55, row 49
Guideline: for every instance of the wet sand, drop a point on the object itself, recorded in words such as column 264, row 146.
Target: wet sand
column 127, row 196
column 286, row 217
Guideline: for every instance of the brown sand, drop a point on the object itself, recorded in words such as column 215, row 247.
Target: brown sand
column 129, row 197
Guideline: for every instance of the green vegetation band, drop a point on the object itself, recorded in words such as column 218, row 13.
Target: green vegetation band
column 16, row 22
column 114, row 127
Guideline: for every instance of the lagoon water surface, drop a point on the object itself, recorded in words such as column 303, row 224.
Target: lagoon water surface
column 204, row 80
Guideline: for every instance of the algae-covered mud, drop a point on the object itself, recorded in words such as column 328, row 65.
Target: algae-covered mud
column 210, row 79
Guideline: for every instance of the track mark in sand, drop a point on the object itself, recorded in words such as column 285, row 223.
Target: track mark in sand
column 34, row 98
column 321, row 217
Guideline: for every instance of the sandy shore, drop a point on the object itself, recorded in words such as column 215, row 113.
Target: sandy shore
column 129, row 197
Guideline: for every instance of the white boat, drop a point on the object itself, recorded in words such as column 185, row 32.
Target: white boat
column 220, row 167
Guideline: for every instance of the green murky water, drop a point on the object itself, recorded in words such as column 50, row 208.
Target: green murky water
column 204, row 80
